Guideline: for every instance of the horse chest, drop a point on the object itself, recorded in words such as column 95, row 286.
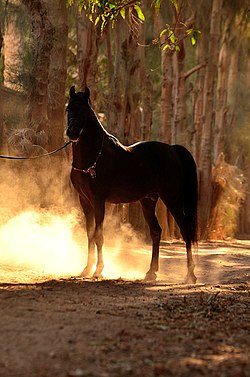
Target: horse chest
column 81, row 182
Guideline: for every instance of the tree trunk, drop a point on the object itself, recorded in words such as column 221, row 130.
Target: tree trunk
column 244, row 217
column 146, row 87
column 179, row 121
column 147, row 108
column 1, row 102
column 1, row 42
column 222, row 86
column 166, row 104
column 57, row 72
column 130, row 115
column 12, row 48
column 208, row 116
column 198, row 101
column 232, row 93
column 88, row 42
column 166, row 97
column 42, row 32
column 115, row 100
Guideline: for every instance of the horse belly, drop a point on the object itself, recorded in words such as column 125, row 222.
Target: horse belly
column 130, row 191
column 117, row 198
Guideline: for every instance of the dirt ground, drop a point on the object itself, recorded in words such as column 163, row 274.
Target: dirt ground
column 73, row 327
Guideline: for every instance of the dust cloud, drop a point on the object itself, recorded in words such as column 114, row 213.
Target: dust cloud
column 42, row 233
column 42, row 230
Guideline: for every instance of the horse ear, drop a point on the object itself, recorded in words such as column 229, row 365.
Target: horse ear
column 72, row 92
column 87, row 92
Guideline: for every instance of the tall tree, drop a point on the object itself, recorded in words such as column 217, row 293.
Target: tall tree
column 13, row 44
column 1, row 103
column 166, row 101
column 198, row 97
column 57, row 71
column 208, row 116
column 221, row 113
column 179, row 120
column 145, row 83
column 88, row 42
column 42, row 33
column 114, row 109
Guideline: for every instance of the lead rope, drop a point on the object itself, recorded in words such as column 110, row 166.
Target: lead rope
column 91, row 170
column 34, row 157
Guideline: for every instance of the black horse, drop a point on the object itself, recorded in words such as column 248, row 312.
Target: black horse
column 104, row 170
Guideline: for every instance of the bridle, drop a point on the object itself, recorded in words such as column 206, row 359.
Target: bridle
column 91, row 170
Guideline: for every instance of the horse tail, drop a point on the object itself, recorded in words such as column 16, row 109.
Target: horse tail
column 190, row 191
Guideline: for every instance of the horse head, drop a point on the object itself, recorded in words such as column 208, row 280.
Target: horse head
column 78, row 110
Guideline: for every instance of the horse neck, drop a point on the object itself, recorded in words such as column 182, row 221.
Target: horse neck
column 86, row 150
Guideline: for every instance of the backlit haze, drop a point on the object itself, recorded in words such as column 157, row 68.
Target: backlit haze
column 51, row 242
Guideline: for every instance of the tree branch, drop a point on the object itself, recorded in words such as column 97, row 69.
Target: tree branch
column 194, row 69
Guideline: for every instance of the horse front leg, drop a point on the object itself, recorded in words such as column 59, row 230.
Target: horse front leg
column 98, row 236
column 90, row 228
column 148, row 207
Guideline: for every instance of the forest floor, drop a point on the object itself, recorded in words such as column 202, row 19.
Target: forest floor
column 69, row 327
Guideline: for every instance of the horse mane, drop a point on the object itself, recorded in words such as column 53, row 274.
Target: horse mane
column 115, row 140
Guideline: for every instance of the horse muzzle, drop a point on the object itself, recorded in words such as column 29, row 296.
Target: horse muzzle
column 74, row 136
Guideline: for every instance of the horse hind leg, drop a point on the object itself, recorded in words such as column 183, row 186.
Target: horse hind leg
column 148, row 207
column 184, row 228
column 190, row 278
column 181, row 220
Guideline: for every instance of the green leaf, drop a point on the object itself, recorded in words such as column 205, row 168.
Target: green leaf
column 103, row 25
column 195, row 36
column 97, row 20
column 139, row 12
column 163, row 32
column 193, row 41
column 122, row 13
column 177, row 48
column 175, row 4
column 166, row 46
column 189, row 31
column 172, row 38
column 157, row 5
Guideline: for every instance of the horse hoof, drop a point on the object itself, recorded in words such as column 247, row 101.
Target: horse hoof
column 150, row 276
column 86, row 273
column 97, row 276
column 190, row 279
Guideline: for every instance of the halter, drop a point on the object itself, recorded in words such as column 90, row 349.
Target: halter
column 91, row 170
